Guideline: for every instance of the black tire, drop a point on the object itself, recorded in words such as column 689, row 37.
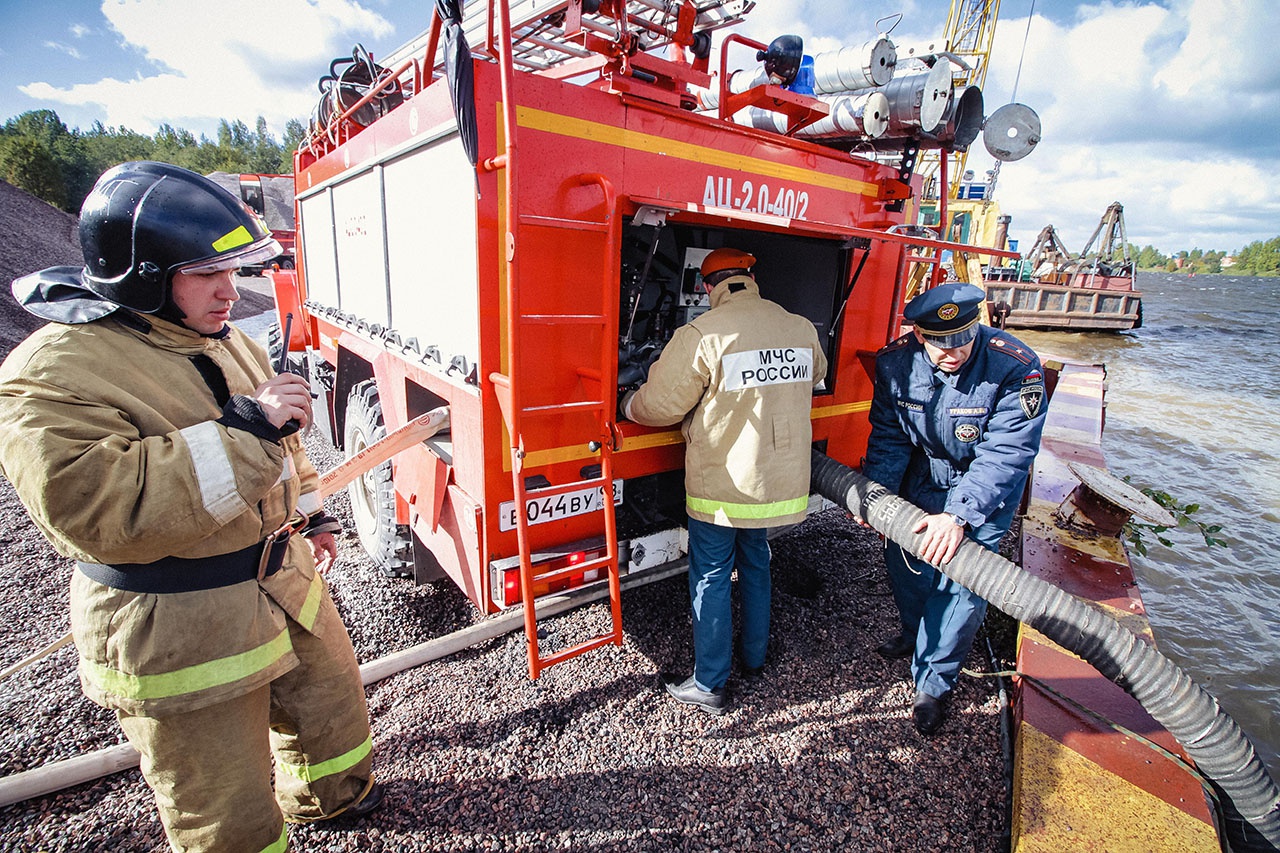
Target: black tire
column 373, row 496
column 275, row 343
column 275, row 346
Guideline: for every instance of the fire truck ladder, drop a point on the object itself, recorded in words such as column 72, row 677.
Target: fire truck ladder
column 512, row 395
column 536, row 36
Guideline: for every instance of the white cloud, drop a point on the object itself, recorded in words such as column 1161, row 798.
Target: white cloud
column 1169, row 106
column 233, row 59
column 1170, row 110
column 64, row 48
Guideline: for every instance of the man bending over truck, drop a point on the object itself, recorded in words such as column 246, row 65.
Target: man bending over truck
column 740, row 379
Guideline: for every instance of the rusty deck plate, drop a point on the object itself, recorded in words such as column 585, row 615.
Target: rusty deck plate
column 1081, row 783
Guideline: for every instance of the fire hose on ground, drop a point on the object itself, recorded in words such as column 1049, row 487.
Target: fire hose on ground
column 1212, row 739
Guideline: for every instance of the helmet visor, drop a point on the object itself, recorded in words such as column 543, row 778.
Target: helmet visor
column 256, row 252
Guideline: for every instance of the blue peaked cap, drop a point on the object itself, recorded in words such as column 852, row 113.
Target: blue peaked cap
column 947, row 315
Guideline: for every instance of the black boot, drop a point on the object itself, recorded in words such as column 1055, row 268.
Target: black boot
column 365, row 807
column 927, row 712
column 900, row 646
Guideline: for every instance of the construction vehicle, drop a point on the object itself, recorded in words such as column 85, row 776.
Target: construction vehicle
column 506, row 218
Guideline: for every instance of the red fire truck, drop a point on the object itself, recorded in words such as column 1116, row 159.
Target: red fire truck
column 506, row 218
column 271, row 198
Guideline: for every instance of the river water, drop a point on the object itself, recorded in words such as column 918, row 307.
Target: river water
column 1192, row 411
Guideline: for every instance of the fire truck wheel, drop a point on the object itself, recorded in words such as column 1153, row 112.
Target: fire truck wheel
column 373, row 496
column 275, row 345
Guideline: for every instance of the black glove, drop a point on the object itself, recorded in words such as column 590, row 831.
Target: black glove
column 623, row 393
column 242, row 412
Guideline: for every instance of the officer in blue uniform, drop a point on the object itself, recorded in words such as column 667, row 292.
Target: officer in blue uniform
column 955, row 423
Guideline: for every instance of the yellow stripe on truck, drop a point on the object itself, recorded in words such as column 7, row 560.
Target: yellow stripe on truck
column 594, row 131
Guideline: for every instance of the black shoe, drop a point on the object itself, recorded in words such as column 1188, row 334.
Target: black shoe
column 348, row 815
column 688, row 692
column 927, row 712
column 900, row 646
column 366, row 806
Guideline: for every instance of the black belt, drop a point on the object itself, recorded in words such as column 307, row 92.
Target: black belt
column 180, row 574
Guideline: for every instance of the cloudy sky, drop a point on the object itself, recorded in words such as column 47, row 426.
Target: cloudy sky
column 1171, row 107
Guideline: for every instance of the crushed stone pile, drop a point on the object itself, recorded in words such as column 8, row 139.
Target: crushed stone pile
column 38, row 235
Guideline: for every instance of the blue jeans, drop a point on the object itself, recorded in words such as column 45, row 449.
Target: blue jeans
column 714, row 552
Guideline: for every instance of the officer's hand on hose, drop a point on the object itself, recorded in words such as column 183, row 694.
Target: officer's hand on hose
column 861, row 522
column 324, row 548
column 942, row 536
column 285, row 398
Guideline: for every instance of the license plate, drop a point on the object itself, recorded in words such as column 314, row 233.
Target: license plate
column 556, row 507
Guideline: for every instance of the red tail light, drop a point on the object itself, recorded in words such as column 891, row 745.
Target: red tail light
column 507, row 592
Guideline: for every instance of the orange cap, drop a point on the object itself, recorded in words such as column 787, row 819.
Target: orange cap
column 726, row 259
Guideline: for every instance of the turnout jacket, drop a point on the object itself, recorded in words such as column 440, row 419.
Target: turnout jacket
column 110, row 431
column 739, row 379
column 960, row 443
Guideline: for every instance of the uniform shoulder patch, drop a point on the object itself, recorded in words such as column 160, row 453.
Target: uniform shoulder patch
column 1031, row 398
column 898, row 344
column 1013, row 349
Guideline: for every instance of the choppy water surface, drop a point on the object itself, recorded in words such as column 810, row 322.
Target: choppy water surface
column 1193, row 402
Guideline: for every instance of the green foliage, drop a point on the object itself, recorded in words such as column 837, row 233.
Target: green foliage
column 1196, row 261
column 30, row 166
column 1148, row 257
column 1261, row 257
column 1136, row 531
column 39, row 154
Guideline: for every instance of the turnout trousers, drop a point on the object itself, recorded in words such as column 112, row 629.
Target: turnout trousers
column 714, row 552
column 211, row 768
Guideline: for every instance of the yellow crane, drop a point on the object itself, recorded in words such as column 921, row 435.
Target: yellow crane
column 970, row 31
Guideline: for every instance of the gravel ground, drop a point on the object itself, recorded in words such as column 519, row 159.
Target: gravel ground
column 818, row 754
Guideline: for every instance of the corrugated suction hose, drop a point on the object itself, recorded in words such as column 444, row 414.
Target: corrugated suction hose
column 1212, row 739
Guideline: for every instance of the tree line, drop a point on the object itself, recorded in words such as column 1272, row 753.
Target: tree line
column 41, row 155
column 1261, row 257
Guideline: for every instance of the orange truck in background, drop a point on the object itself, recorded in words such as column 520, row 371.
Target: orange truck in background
column 271, row 198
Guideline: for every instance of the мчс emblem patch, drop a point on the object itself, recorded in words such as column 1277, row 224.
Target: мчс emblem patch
column 967, row 432
column 1031, row 398
column 948, row 311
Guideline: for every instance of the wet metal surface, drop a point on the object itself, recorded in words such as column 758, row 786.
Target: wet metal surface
column 1082, row 783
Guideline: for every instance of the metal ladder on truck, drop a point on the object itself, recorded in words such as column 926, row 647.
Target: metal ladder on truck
column 512, row 391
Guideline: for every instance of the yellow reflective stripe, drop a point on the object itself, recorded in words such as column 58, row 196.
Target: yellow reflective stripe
column 777, row 509
column 239, row 237
column 310, row 607
column 189, row 679
column 281, row 844
column 312, row 772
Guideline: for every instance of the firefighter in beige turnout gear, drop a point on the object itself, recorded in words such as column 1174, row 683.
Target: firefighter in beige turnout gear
column 151, row 442
column 740, row 380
